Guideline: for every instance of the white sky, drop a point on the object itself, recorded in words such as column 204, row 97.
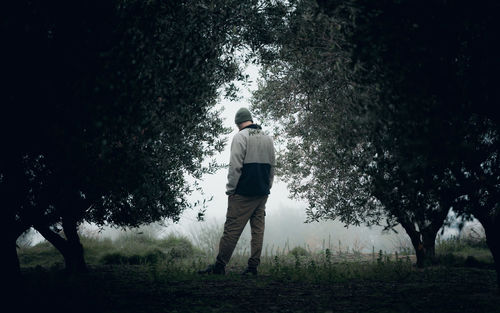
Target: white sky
column 280, row 208
column 215, row 185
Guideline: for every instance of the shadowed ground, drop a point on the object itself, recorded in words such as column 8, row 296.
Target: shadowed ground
column 129, row 288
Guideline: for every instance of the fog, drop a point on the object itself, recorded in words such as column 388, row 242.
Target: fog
column 285, row 227
column 284, row 217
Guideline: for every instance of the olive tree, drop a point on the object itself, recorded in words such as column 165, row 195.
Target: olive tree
column 111, row 106
column 376, row 101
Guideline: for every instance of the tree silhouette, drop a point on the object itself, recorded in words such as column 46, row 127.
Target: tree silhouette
column 109, row 105
column 387, row 109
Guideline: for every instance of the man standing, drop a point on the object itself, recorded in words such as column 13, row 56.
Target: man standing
column 250, row 178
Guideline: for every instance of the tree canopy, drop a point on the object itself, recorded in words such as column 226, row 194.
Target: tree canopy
column 110, row 105
column 379, row 103
column 386, row 110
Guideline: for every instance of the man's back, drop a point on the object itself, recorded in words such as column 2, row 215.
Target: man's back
column 251, row 167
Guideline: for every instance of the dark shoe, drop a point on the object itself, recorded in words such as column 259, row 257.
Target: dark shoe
column 217, row 269
column 250, row 271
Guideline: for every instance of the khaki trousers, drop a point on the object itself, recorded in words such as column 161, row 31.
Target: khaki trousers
column 240, row 210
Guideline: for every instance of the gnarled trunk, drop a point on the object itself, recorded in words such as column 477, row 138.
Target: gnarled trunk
column 11, row 193
column 70, row 248
column 11, row 273
column 11, row 268
column 75, row 262
column 491, row 227
column 429, row 242
column 424, row 243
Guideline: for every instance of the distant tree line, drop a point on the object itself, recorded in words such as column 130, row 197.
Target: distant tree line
column 387, row 112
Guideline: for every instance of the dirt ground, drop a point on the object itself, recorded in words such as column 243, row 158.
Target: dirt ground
column 116, row 289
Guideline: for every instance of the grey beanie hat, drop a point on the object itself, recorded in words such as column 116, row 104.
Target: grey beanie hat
column 242, row 115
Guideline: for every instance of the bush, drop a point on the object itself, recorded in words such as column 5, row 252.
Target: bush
column 471, row 261
column 299, row 251
column 177, row 247
column 114, row 258
column 135, row 241
column 464, row 246
column 449, row 259
column 41, row 254
column 150, row 258
column 154, row 257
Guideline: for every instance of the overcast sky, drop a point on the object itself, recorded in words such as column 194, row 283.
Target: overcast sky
column 285, row 217
column 215, row 185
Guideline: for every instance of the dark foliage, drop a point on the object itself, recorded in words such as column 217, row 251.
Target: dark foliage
column 435, row 65
column 108, row 106
column 389, row 111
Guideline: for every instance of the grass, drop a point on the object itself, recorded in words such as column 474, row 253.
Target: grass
column 464, row 247
column 140, row 273
column 468, row 249
column 132, row 249
column 177, row 254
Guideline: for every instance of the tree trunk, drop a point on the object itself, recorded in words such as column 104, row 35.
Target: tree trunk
column 71, row 249
column 429, row 242
column 419, row 249
column 495, row 251
column 416, row 242
column 11, row 273
column 11, row 268
column 76, row 259
column 11, row 193
column 10, row 262
column 424, row 240
column 57, row 241
column 491, row 227
column 424, row 243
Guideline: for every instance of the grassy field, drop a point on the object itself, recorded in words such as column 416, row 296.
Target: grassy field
column 137, row 273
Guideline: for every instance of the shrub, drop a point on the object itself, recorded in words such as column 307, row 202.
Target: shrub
column 299, row 251
column 464, row 246
column 471, row 261
column 135, row 241
column 177, row 246
column 114, row 258
column 41, row 254
column 149, row 258
column 154, row 257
